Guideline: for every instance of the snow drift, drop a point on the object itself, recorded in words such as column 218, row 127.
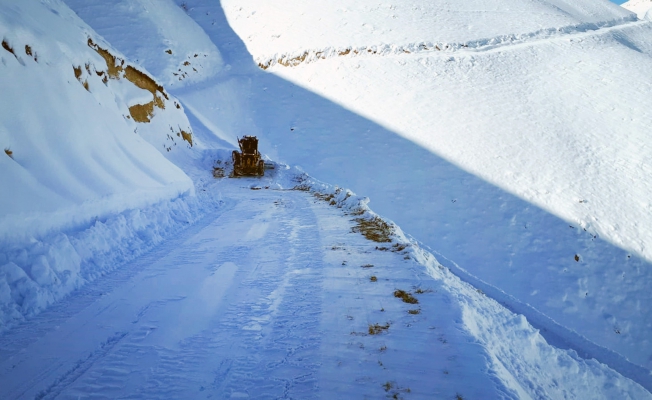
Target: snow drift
column 85, row 135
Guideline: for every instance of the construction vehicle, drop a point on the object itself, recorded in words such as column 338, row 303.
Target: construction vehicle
column 248, row 162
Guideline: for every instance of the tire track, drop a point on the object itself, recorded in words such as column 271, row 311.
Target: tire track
column 74, row 373
column 269, row 353
column 256, row 347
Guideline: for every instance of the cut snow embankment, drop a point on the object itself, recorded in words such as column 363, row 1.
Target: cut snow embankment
column 519, row 354
column 78, row 124
column 40, row 274
column 87, row 138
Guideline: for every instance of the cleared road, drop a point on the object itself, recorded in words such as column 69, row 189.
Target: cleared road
column 271, row 298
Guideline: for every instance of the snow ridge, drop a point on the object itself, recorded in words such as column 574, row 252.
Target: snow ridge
column 505, row 327
column 640, row 7
column 296, row 58
column 36, row 275
column 555, row 333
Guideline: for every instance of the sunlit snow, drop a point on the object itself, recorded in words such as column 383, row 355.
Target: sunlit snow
column 492, row 240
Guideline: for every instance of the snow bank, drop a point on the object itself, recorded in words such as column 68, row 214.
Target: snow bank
column 38, row 275
column 78, row 124
column 157, row 35
column 86, row 173
column 520, row 355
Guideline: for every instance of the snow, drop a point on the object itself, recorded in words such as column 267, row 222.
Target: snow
column 176, row 51
column 640, row 7
column 270, row 29
column 508, row 143
column 76, row 157
column 52, row 267
column 508, row 159
column 258, row 302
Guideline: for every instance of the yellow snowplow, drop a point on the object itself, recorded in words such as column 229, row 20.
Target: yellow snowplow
column 247, row 161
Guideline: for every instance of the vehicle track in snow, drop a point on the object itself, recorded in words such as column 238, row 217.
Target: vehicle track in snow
column 282, row 297
column 293, row 59
column 267, row 300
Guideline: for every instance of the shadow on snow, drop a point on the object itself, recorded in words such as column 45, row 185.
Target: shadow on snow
column 531, row 261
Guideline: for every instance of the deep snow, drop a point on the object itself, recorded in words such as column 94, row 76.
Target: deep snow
column 640, row 7
column 157, row 35
column 276, row 295
column 75, row 154
column 520, row 158
column 509, row 144
column 82, row 180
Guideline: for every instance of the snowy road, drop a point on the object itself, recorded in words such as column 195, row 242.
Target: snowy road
column 573, row 32
column 270, row 299
column 513, row 147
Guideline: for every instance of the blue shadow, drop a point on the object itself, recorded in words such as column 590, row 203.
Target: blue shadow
column 514, row 251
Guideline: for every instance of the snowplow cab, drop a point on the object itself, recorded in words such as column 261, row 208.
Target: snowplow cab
column 247, row 161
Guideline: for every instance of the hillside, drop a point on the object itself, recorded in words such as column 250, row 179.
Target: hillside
column 503, row 151
column 77, row 103
column 640, row 7
column 87, row 135
column 517, row 153
column 159, row 36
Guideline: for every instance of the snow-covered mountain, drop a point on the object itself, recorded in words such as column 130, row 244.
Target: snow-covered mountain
column 86, row 135
column 272, row 32
column 509, row 141
column 640, row 7
column 512, row 143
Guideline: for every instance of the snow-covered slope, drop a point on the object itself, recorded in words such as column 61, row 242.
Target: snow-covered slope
column 276, row 31
column 640, row 7
column 155, row 34
column 86, row 136
column 505, row 140
column 76, row 120
column 515, row 148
